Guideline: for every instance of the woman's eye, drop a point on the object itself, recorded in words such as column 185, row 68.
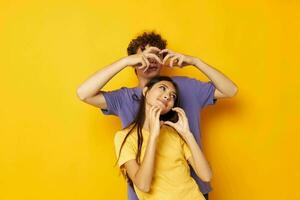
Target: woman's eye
column 173, row 96
column 162, row 88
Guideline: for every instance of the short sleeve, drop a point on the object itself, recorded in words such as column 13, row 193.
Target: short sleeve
column 186, row 150
column 205, row 92
column 128, row 151
column 113, row 101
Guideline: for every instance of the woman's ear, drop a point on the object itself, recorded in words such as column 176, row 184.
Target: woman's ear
column 145, row 90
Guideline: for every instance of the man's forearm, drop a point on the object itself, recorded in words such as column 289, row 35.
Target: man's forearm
column 97, row 81
column 221, row 82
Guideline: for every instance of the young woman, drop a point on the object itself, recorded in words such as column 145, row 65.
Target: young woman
column 155, row 150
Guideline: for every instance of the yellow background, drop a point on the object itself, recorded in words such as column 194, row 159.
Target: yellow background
column 52, row 146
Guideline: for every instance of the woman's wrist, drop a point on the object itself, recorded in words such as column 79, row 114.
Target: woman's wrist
column 187, row 135
column 153, row 136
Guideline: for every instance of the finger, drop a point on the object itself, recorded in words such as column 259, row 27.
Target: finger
column 146, row 69
column 172, row 60
column 167, row 57
column 170, row 124
column 143, row 64
column 153, row 109
column 164, row 51
column 161, row 123
column 152, row 113
column 180, row 61
column 181, row 114
column 152, row 50
column 146, row 60
column 147, row 63
column 151, row 55
column 179, row 110
column 157, row 112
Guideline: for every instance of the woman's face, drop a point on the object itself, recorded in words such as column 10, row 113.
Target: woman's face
column 162, row 94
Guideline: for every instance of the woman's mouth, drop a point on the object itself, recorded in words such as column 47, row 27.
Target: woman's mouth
column 163, row 102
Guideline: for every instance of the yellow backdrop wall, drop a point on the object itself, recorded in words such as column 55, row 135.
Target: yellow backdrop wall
column 52, row 146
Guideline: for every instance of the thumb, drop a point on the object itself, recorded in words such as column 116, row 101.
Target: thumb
column 169, row 123
column 161, row 123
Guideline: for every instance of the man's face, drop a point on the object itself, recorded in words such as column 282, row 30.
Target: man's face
column 154, row 67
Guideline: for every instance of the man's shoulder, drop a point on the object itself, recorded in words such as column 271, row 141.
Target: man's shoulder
column 125, row 91
column 183, row 79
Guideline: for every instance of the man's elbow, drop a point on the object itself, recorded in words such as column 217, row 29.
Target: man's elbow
column 233, row 92
column 206, row 178
column 80, row 94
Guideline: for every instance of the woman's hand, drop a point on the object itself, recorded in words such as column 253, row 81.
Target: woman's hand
column 154, row 123
column 176, row 59
column 182, row 125
column 140, row 60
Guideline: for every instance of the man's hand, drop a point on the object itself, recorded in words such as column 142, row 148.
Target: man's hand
column 140, row 60
column 176, row 59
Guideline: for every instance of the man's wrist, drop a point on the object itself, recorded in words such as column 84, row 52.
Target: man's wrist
column 195, row 61
column 124, row 62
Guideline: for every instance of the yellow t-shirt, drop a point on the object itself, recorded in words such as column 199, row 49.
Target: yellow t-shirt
column 171, row 177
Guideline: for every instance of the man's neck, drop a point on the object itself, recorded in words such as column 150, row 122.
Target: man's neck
column 142, row 82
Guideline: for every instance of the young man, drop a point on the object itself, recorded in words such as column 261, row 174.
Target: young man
column 147, row 54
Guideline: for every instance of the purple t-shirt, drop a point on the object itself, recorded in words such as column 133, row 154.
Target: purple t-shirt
column 193, row 94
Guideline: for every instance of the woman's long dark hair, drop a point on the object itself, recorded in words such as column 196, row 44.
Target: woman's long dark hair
column 139, row 119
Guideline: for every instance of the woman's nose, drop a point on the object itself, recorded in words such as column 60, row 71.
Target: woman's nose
column 166, row 97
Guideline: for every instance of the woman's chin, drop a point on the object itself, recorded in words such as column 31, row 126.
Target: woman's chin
column 164, row 111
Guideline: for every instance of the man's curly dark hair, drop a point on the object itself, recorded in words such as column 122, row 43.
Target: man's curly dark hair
column 151, row 38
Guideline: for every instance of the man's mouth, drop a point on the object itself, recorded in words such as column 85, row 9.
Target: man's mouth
column 152, row 67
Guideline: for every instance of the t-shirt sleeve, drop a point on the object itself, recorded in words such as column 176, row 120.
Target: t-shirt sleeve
column 128, row 151
column 113, row 101
column 204, row 91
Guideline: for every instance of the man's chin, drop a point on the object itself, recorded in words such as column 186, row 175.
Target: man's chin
column 151, row 74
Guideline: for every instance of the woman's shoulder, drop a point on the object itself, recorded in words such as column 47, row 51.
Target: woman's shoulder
column 121, row 134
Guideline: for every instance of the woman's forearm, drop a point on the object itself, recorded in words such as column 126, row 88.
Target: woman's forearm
column 143, row 176
column 201, row 167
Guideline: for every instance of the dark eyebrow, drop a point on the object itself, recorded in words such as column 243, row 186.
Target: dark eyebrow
column 168, row 88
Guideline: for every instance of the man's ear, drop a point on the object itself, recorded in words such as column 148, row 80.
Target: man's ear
column 145, row 89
